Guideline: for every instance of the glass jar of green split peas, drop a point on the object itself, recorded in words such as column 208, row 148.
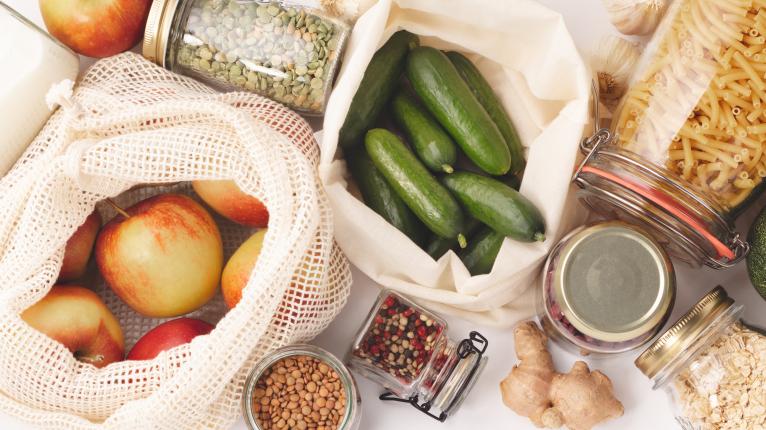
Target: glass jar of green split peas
column 278, row 50
column 685, row 150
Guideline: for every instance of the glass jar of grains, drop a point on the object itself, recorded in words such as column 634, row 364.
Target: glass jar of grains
column 301, row 387
column 684, row 153
column 405, row 348
column 287, row 53
column 712, row 366
column 607, row 288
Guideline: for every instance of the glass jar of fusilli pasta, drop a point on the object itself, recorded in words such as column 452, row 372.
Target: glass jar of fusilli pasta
column 685, row 150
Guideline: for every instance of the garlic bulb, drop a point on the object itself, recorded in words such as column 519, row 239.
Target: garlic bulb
column 612, row 63
column 348, row 10
column 635, row 17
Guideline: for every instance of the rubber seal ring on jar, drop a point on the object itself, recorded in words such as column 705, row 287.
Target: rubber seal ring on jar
column 666, row 202
column 718, row 246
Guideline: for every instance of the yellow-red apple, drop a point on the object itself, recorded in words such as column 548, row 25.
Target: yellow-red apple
column 96, row 28
column 78, row 249
column 240, row 266
column 77, row 318
column 168, row 335
column 163, row 256
column 226, row 198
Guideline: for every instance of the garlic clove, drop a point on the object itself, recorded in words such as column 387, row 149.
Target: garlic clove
column 613, row 62
column 346, row 9
column 635, row 17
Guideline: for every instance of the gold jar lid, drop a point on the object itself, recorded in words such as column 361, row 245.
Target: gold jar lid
column 613, row 282
column 684, row 332
column 157, row 32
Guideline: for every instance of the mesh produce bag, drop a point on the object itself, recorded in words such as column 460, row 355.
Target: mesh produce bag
column 130, row 123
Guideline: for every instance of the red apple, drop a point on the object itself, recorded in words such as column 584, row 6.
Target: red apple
column 168, row 335
column 96, row 28
column 240, row 266
column 77, row 318
column 163, row 257
column 226, row 198
column 78, row 249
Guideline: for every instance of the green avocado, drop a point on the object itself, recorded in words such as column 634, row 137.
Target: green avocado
column 756, row 260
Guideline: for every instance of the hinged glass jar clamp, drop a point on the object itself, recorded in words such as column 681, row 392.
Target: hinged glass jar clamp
column 470, row 353
column 617, row 183
column 406, row 349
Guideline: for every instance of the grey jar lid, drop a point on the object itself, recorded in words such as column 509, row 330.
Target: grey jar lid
column 613, row 282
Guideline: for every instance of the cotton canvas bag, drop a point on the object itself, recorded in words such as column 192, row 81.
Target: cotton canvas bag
column 526, row 53
column 129, row 123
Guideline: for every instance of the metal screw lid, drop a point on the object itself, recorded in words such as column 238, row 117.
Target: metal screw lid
column 684, row 332
column 157, row 31
column 613, row 282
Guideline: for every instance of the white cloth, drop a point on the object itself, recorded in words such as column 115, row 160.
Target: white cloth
column 526, row 53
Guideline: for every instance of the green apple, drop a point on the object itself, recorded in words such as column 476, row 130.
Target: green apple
column 79, row 248
column 163, row 256
column 226, row 198
column 77, row 318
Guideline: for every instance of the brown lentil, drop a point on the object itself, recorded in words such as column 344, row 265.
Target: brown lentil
column 287, row 403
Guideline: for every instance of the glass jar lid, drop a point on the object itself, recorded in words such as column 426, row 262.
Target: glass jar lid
column 157, row 32
column 613, row 282
column 461, row 378
column 684, row 332
column 464, row 375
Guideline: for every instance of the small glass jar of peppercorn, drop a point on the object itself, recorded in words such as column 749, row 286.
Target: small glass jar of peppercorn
column 405, row 348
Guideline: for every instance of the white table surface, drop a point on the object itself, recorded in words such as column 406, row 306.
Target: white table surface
column 483, row 410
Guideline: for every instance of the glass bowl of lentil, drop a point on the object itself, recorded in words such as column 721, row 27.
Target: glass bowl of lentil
column 301, row 387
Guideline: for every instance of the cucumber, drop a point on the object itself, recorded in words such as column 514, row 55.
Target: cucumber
column 381, row 198
column 498, row 206
column 466, row 165
column 487, row 97
column 427, row 198
column 378, row 84
column 446, row 95
column 429, row 140
column 439, row 246
column 512, row 181
column 480, row 256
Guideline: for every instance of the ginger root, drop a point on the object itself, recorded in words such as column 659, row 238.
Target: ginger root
column 579, row 400
column 526, row 389
column 584, row 398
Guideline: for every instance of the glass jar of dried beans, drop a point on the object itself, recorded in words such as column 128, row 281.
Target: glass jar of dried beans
column 278, row 49
column 405, row 348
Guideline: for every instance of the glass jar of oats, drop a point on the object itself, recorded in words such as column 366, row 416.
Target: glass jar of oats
column 713, row 367
column 685, row 149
